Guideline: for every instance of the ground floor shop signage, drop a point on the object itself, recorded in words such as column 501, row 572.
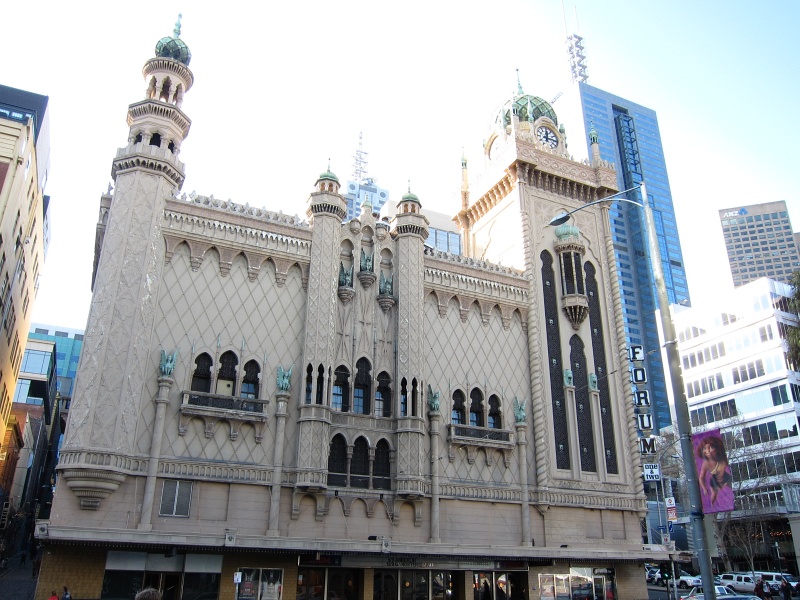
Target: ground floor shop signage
column 430, row 562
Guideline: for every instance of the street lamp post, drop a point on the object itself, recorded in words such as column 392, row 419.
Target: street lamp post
column 676, row 378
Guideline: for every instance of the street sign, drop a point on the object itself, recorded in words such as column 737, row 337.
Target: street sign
column 237, row 577
column 652, row 472
column 672, row 510
column 669, row 525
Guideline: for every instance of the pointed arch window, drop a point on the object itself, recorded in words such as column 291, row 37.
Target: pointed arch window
column 476, row 408
column 362, row 390
column 403, row 398
column 250, row 380
column 383, row 395
column 414, row 397
column 309, row 383
column 337, row 462
column 381, row 469
column 320, row 384
column 457, row 413
column 340, row 398
column 495, row 420
column 226, row 376
column 359, row 465
column 201, row 378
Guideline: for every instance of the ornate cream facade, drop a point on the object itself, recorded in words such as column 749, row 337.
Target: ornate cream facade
column 332, row 409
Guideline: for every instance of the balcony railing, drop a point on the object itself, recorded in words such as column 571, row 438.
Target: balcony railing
column 224, row 402
column 482, row 433
column 472, row 438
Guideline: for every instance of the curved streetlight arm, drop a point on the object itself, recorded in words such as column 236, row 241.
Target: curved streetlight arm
column 564, row 217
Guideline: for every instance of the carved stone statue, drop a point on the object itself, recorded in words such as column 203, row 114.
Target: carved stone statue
column 433, row 399
column 385, row 285
column 366, row 261
column 568, row 377
column 345, row 276
column 168, row 363
column 519, row 410
column 593, row 382
column 284, row 378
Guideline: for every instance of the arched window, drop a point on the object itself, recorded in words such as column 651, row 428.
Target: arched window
column 403, row 398
column 226, row 376
column 495, row 417
column 362, row 390
column 359, row 465
column 337, row 462
column 457, row 415
column 309, row 383
column 165, row 90
column 476, row 408
column 155, row 140
column 383, row 396
column 320, row 384
column 138, row 138
column 340, row 399
column 414, row 397
column 250, row 380
column 201, row 378
column 381, row 468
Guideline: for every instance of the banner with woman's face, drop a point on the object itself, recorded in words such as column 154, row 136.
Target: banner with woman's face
column 716, row 489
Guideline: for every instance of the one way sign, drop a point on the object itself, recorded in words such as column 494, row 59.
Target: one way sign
column 652, row 472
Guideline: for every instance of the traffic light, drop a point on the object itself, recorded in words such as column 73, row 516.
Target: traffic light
column 666, row 572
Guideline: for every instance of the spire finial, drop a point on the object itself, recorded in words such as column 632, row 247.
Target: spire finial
column 463, row 159
column 519, row 85
column 409, row 186
column 177, row 31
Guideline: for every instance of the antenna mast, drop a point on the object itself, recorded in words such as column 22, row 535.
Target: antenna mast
column 575, row 50
column 359, row 162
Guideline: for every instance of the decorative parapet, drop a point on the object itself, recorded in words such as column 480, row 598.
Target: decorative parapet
column 94, row 476
column 232, row 208
column 212, row 408
column 144, row 156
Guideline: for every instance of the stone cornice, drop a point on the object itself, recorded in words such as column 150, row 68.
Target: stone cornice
column 171, row 65
column 590, row 550
column 154, row 108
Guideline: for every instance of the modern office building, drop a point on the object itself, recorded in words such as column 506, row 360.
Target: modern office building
column 738, row 379
column 629, row 137
column 24, row 159
column 69, row 343
column 443, row 233
column 361, row 191
column 271, row 408
column 760, row 242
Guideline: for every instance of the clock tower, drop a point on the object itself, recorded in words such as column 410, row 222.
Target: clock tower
column 583, row 424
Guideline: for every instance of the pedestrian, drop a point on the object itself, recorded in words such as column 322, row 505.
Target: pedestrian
column 759, row 589
column 53, row 595
column 786, row 589
column 66, row 595
column 148, row 594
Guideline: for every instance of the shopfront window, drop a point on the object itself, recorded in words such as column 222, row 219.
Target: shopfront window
column 414, row 585
column 384, row 585
column 310, row 584
column 582, row 583
column 260, row 584
column 343, row 584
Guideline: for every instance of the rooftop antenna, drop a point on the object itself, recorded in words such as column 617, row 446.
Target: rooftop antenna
column 360, row 162
column 575, row 50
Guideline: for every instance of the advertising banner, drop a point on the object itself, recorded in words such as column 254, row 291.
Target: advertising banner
column 714, row 472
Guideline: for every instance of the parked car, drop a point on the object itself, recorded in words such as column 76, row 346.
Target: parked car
column 741, row 582
column 720, row 590
column 654, row 577
column 686, row 580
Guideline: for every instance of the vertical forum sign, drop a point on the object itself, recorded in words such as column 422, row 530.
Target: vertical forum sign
column 641, row 399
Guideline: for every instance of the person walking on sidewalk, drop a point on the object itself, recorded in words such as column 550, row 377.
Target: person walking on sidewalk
column 66, row 595
column 53, row 596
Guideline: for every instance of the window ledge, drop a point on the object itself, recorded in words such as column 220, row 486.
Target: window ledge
column 213, row 408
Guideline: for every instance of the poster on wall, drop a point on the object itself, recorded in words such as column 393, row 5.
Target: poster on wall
column 714, row 472
column 260, row 584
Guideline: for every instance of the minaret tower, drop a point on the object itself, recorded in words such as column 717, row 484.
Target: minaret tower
column 326, row 209
column 111, row 391
column 410, row 231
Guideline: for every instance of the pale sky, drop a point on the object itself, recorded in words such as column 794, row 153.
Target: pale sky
column 282, row 87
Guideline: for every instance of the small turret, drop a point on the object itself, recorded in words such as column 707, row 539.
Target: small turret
column 325, row 199
column 594, row 144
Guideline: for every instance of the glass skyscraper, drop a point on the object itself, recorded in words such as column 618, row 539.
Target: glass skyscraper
column 629, row 137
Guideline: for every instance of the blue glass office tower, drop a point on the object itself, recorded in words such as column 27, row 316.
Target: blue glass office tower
column 629, row 137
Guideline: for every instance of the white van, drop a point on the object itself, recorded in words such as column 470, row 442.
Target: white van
column 774, row 579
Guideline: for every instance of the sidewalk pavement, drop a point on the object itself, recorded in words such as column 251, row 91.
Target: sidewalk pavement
column 16, row 582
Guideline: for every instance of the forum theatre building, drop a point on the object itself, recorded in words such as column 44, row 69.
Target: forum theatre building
column 269, row 408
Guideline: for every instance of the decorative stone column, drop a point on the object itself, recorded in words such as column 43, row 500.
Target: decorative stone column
column 282, row 399
column 435, row 418
column 164, row 384
column 522, row 448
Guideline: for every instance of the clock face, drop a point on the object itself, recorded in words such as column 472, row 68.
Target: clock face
column 547, row 136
